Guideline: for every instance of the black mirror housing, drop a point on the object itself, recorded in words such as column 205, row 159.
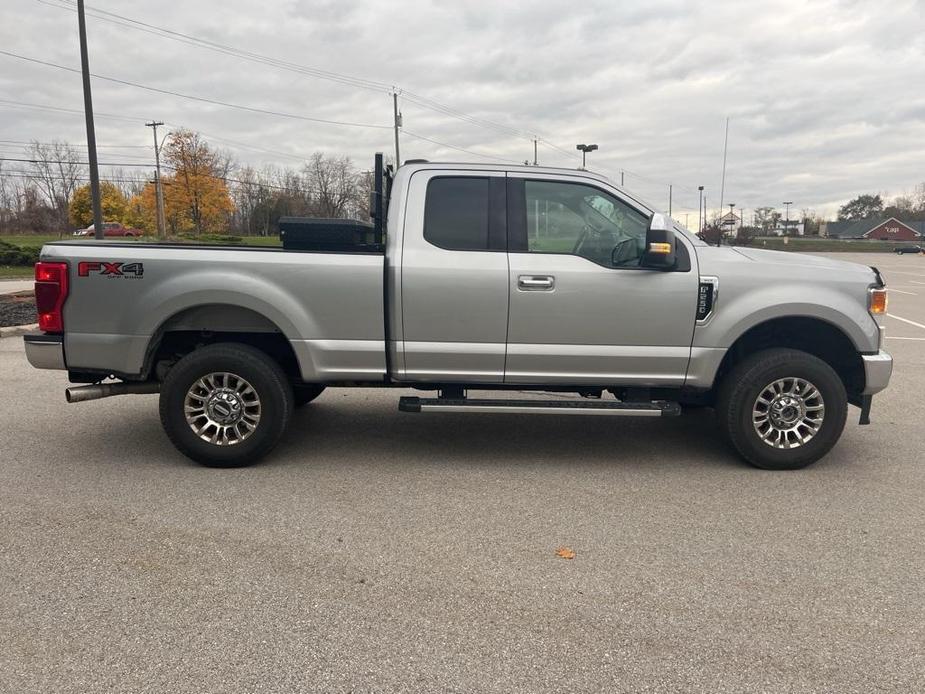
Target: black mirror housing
column 661, row 244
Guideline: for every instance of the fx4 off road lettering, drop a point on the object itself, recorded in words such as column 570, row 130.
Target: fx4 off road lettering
column 95, row 267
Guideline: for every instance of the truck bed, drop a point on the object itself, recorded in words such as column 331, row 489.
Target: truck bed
column 328, row 305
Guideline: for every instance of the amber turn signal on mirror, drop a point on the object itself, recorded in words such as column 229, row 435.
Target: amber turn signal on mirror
column 660, row 248
column 877, row 301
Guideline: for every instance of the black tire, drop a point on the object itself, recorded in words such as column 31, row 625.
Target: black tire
column 305, row 393
column 262, row 374
column 739, row 393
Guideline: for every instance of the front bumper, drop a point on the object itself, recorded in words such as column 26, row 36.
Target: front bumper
column 877, row 371
column 45, row 351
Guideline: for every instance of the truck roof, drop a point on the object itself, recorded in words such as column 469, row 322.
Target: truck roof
column 419, row 164
column 497, row 166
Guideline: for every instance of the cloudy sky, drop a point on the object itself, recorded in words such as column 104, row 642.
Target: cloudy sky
column 825, row 97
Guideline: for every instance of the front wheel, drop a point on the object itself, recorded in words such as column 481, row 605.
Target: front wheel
column 226, row 405
column 782, row 409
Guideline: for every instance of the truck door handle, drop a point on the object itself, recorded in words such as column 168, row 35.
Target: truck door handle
column 536, row 283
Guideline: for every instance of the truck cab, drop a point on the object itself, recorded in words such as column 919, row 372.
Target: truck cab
column 534, row 276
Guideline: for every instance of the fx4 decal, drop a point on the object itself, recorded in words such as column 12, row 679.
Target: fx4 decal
column 100, row 267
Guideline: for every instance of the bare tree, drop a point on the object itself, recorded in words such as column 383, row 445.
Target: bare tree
column 224, row 164
column 130, row 182
column 57, row 171
column 332, row 181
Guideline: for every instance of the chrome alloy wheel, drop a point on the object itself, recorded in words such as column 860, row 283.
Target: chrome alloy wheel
column 788, row 413
column 222, row 409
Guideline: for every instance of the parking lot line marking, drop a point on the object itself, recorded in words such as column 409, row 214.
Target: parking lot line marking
column 906, row 320
column 896, row 337
column 900, row 291
column 914, row 282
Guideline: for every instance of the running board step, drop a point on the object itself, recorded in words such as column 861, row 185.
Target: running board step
column 612, row 408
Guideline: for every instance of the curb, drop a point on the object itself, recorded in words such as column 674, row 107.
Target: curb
column 15, row 330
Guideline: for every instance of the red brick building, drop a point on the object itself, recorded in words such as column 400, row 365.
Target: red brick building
column 876, row 228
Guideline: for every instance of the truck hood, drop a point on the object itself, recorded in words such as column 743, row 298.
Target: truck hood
column 800, row 260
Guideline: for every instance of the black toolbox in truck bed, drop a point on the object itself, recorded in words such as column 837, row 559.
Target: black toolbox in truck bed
column 311, row 234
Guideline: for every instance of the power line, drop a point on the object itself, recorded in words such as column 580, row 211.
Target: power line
column 363, row 83
column 192, row 97
column 244, row 145
column 52, row 144
column 162, row 32
column 63, row 161
column 97, row 114
column 19, row 173
column 458, row 149
column 46, row 107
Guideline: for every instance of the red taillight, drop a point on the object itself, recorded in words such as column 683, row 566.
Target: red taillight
column 50, row 293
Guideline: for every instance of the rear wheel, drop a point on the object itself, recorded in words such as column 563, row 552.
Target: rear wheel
column 226, row 405
column 782, row 409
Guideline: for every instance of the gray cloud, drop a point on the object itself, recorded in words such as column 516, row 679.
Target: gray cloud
column 823, row 95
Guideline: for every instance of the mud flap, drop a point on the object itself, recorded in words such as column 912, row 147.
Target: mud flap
column 866, row 401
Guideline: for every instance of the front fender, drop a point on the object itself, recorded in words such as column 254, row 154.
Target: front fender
column 738, row 312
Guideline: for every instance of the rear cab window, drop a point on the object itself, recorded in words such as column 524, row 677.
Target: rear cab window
column 466, row 213
column 456, row 213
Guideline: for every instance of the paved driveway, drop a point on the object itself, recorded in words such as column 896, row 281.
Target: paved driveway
column 14, row 286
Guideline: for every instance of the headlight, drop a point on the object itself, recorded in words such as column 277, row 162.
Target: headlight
column 877, row 300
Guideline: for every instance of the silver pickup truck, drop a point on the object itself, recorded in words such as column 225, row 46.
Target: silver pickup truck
column 471, row 278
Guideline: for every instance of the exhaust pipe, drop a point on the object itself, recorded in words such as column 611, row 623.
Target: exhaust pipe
column 107, row 390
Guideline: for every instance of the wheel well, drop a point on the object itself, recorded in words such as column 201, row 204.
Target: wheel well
column 812, row 335
column 199, row 326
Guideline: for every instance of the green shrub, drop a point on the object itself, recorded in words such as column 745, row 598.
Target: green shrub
column 16, row 256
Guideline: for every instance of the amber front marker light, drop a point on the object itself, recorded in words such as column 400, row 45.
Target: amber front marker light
column 660, row 248
column 878, row 301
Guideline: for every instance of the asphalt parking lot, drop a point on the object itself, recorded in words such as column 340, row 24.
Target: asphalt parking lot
column 381, row 551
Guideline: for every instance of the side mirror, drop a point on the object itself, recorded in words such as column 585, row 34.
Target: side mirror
column 660, row 244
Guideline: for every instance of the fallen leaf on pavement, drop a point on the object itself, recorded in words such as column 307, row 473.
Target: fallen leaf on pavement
column 565, row 553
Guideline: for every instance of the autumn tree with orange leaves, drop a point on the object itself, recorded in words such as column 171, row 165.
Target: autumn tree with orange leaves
column 196, row 196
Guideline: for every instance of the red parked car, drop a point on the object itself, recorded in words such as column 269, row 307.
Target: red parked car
column 111, row 229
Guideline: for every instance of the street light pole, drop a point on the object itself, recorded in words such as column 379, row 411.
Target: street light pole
column 91, row 132
column 787, row 204
column 584, row 149
column 158, row 186
column 700, row 211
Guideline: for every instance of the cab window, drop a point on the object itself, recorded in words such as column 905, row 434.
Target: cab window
column 581, row 220
column 456, row 213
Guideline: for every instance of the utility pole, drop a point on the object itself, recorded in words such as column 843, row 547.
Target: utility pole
column 621, row 178
column 397, row 119
column 722, row 188
column 534, row 151
column 158, row 186
column 700, row 211
column 669, row 199
column 91, row 132
column 787, row 204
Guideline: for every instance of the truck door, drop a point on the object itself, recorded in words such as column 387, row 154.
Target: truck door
column 454, row 277
column 582, row 310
